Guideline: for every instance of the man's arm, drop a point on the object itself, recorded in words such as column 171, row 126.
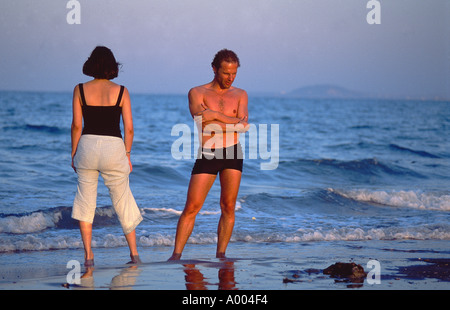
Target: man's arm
column 220, row 128
column 214, row 121
column 223, row 123
column 209, row 115
column 199, row 108
column 242, row 113
column 195, row 101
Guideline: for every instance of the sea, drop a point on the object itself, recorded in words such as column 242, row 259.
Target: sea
column 316, row 171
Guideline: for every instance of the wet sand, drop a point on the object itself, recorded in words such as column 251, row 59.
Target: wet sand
column 404, row 265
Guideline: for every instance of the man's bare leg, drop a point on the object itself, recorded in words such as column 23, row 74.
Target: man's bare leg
column 199, row 186
column 230, row 180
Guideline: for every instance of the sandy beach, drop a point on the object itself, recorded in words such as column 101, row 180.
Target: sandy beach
column 346, row 159
column 404, row 265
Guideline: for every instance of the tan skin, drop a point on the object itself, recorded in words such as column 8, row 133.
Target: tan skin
column 101, row 92
column 218, row 103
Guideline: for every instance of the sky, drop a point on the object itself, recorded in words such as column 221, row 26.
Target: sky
column 166, row 46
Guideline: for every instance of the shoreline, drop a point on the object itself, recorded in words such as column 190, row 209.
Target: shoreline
column 405, row 265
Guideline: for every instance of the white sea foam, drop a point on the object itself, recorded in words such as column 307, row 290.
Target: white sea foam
column 171, row 211
column 404, row 199
column 166, row 211
column 31, row 242
column 427, row 232
column 38, row 243
column 40, row 221
column 24, row 224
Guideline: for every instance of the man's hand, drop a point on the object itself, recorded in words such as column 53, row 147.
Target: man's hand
column 207, row 114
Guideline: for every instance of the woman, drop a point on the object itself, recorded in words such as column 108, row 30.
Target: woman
column 98, row 147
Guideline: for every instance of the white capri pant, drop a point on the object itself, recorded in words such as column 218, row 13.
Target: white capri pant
column 107, row 155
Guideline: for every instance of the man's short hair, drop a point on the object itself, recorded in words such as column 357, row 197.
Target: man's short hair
column 224, row 55
column 101, row 64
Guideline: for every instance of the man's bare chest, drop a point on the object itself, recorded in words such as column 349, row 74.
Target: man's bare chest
column 227, row 105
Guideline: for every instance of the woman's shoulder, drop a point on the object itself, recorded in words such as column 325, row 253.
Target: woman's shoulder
column 114, row 88
column 102, row 85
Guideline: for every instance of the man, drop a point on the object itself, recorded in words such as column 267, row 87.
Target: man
column 222, row 110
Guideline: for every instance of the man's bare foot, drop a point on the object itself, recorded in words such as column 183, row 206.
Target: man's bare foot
column 175, row 256
column 220, row 255
column 135, row 260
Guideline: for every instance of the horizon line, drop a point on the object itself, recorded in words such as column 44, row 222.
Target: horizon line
column 279, row 94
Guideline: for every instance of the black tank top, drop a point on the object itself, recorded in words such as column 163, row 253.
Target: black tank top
column 101, row 120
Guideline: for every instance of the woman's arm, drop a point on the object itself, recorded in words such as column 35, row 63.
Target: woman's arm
column 77, row 122
column 128, row 129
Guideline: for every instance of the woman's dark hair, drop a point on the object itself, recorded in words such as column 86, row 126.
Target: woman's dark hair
column 224, row 55
column 101, row 64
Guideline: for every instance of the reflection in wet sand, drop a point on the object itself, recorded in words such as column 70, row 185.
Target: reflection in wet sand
column 125, row 280
column 195, row 280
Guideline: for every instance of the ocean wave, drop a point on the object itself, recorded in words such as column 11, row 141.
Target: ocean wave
column 426, row 232
column 402, row 199
column 32, row 242
column 161, row 212
column 156, row 174
column 38, row 128
column 151, row 213
column 362, row 169
column 61, row 218
column 38, row 243
column 57, row 217
column 412, row 151
column 27, row 223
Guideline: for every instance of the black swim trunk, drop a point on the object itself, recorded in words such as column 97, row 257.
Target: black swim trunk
column 213, row 161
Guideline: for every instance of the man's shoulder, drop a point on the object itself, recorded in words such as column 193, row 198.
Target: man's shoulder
column 197, row 93
column 239, row 91
column 201, row 88
column 197, row 90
